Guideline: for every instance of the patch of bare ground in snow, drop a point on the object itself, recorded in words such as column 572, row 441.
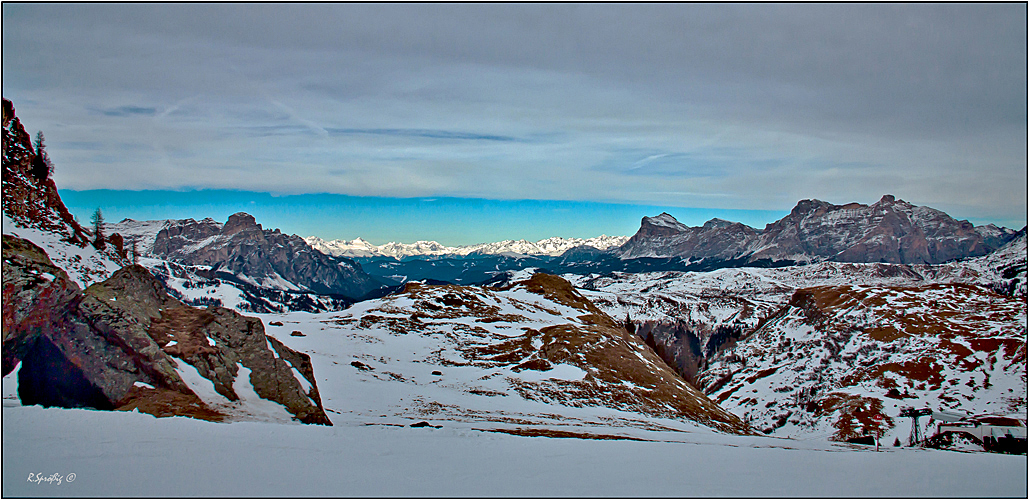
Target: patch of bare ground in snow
column 554, row 433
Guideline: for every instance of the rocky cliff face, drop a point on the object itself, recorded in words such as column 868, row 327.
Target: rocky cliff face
column 28, row 200
column 889, row 230
column 261, row 257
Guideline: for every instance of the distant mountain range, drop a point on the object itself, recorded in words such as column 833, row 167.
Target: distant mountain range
column 888, row 231
column 550, row 246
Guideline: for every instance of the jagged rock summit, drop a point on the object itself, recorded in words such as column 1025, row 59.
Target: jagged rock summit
column 889, row 230
column 242, row 250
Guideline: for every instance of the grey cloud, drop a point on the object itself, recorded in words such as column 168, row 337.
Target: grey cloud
column 864, row 68
column 128, row 111
column 765, row 103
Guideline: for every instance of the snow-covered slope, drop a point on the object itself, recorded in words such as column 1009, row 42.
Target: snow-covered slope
column 85, row 265
column 532, row 359
column 745, row 294
column 199, row 285
column 550, row 246
column 836, row 356
column 143, row 233
column 749, row 338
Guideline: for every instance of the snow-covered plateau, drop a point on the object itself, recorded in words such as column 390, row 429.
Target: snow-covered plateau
column 119, row 454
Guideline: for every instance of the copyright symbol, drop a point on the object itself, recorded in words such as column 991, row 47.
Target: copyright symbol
column 71, row 477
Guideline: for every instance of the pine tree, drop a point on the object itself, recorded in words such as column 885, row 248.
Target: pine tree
column 42, row 167
column 98, row 228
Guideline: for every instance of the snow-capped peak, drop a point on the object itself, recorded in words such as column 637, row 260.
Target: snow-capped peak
column 664, row 220
column 550, row 246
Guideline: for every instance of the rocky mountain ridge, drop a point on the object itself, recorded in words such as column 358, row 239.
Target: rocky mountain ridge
column 28, row 200
column 242, row 250
column 889, row 230
column 32, row 208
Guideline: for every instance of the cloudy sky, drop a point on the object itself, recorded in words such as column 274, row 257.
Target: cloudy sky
column 607, row 111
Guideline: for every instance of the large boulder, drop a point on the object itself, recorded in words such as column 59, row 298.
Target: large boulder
column 120, row 344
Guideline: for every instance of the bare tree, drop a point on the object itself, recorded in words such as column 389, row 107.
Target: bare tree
column 135, row 251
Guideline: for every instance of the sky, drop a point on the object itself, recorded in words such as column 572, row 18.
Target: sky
column 505, row 112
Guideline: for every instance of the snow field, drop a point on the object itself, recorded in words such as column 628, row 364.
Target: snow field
column 119, row 454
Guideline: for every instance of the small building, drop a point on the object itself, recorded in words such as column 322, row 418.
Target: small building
column 993, row 433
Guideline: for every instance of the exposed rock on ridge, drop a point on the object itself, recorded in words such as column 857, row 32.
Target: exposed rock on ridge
column 537, row 343
column 663, row 236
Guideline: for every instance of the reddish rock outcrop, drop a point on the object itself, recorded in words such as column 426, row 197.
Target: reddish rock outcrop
column 102, row 347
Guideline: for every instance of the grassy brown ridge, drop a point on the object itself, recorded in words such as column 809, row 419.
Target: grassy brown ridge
column 621, row 371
